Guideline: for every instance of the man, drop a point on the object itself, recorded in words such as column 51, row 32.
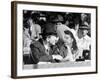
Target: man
column 68, row 49
column 42, row 50
column 34, row 27
column 84, row 43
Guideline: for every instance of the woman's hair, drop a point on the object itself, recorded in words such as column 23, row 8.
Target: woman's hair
column 74, row 44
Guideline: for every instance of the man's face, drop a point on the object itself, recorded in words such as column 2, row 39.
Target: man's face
column 85, row 32
column 53, row 39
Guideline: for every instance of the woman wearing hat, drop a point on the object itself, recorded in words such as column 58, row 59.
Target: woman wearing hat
column 69, row 49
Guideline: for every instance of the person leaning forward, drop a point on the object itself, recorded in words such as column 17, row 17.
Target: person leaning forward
column 42, row 50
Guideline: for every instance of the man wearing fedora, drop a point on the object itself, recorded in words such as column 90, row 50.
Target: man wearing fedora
column 43, row 49
column 84, row 43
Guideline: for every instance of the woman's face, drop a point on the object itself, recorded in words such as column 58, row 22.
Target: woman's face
column 67, row 39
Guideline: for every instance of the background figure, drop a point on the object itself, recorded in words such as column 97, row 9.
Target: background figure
column 26, row 41
column 85, row 19
column 26, row 33
column 60, row 27
column 84, row 43
column 34, row 27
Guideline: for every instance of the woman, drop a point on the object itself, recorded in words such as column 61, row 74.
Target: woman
column 69, row 49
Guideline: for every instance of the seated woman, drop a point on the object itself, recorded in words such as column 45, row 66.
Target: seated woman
column 69, row 49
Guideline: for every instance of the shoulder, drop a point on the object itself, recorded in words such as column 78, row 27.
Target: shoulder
column 36, row 44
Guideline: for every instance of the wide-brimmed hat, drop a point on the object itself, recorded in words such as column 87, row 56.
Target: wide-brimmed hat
column 84, row 27
column 49, row 30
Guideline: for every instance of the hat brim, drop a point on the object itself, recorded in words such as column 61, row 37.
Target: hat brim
column 57, row 21
column 82, row 28
column 46, row 34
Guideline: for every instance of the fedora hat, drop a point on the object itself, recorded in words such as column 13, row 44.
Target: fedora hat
column 49, row 29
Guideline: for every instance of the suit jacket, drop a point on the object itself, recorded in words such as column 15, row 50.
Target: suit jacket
column 38, row 52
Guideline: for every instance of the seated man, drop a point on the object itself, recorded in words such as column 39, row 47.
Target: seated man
column 42, row 50
column 84, row 43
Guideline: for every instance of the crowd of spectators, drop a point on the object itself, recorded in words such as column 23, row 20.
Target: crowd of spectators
column 67, row 35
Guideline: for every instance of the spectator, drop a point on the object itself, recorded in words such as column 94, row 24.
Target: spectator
column 84, row 42
column 59, row 26
column 34, row 27
column 26, row 40
column 69, row 49
column 42, row 50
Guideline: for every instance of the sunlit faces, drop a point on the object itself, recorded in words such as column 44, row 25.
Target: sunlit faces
column 52, row 39
column 67, row 39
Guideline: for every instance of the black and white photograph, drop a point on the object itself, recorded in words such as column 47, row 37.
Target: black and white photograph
column 55, row 39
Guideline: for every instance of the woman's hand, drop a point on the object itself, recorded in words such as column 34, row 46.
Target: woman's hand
column 69, row 56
